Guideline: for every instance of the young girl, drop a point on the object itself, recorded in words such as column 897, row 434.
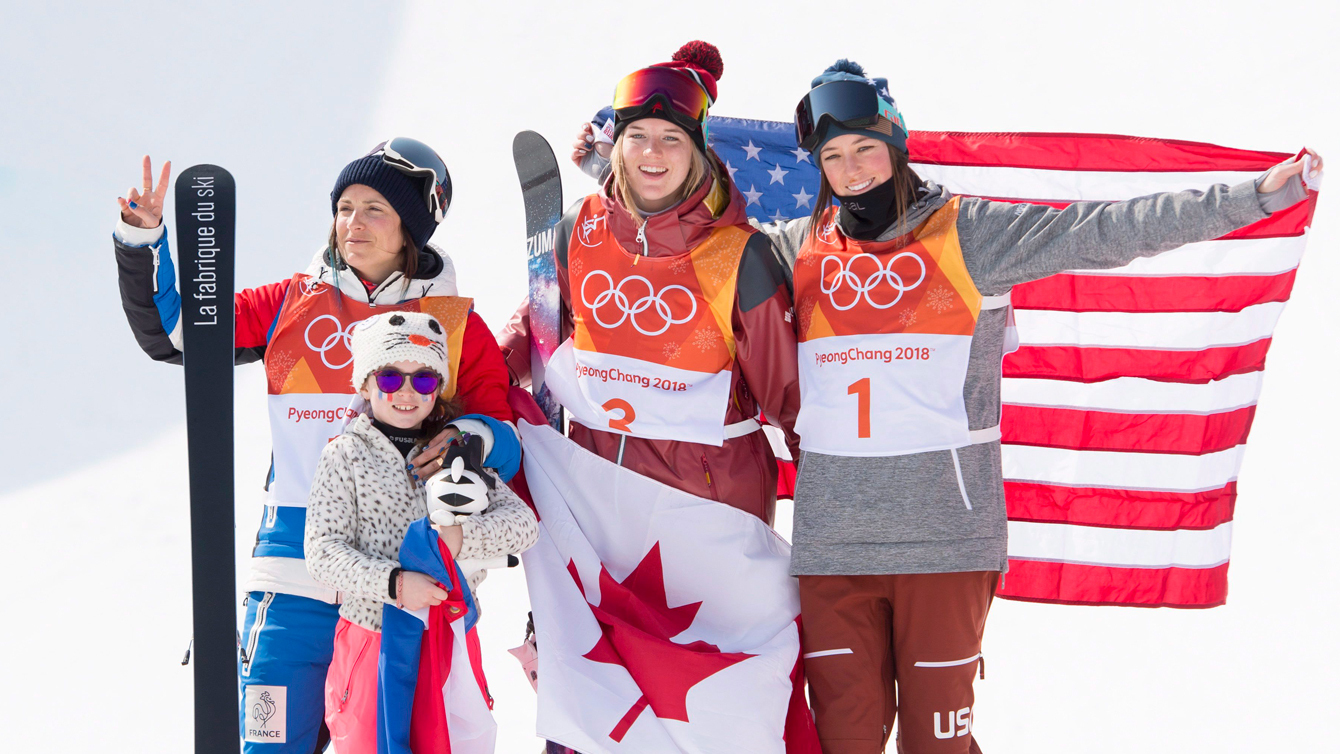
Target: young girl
column 364, row 498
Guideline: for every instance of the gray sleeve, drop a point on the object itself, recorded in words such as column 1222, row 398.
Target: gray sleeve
column 787, row 237
column 563, row 232
column 1284, row 197
column 596, row 166
column 1006, row 244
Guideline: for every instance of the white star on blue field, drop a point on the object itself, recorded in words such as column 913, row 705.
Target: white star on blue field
column 776, row 177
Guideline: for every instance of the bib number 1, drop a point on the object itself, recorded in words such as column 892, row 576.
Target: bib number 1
column 861, row 389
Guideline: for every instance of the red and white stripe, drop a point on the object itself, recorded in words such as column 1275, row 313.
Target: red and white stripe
column 1126, row 408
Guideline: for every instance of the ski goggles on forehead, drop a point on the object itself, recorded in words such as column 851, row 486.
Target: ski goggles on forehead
column 640, row 93
column 424, row 381
column 851, row 104
column 418, row 160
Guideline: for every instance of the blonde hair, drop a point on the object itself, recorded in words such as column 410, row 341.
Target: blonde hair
column 699, row 169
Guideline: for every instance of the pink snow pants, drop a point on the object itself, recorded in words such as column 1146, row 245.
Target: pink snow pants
column 351, row 689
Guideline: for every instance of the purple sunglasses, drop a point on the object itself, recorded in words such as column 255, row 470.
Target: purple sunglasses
column 424, row 381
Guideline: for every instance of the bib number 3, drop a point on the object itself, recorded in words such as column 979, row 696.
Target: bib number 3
column 620, row 423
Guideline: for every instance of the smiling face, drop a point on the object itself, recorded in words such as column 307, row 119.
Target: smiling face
column 406, row 408
column 368, row 233
column 657, row 157
column 854, row 164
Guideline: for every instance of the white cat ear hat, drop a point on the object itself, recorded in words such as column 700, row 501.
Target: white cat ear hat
column 399, row 336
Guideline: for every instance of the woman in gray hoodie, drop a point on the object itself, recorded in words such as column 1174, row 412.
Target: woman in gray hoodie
column 900, row 508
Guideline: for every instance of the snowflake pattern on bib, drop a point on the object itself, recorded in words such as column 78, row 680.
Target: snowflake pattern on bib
column 940, row 299
column 706, row 340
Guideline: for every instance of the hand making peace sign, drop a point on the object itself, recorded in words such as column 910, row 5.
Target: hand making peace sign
column 145, row 209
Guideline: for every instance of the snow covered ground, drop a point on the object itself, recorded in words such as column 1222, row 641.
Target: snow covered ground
column 92, row 494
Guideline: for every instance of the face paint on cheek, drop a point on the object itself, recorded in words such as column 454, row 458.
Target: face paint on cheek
column 425, row 398
column 384, row 396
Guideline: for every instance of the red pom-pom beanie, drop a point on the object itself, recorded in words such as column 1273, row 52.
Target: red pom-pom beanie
column 704, row 59
column 698, row 60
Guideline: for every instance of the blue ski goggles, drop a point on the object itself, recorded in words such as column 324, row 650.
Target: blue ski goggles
column 849, row 104
column 418, row 160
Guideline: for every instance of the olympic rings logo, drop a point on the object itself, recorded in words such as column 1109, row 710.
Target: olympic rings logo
column 340, row 336
column 629, row 311
column 863, row 288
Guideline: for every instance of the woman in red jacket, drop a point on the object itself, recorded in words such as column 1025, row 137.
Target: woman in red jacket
column 677, row 328
column 661, row 276
column 376, row 258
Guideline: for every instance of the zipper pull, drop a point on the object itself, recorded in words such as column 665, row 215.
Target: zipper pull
column 155, row 249
column 642, row 238
column 186, row 658
column 707, row 473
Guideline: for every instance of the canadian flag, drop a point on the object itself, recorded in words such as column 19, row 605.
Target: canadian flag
column 665, row 622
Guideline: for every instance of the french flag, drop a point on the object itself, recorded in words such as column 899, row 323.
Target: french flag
column 433, row 698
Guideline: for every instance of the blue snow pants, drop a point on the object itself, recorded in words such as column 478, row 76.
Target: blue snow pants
column 286, row 645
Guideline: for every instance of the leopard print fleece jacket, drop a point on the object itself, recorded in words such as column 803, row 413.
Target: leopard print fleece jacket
column 362, row 503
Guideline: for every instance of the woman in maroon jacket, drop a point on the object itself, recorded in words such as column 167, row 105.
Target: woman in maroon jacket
column 677, row 315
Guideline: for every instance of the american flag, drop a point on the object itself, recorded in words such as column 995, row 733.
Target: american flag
column 1127, row 406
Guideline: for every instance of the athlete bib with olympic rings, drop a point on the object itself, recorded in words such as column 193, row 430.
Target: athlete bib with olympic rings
column 308, row 365
column 652, row 347
column 885, row 334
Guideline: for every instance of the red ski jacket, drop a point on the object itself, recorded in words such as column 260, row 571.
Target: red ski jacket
column 153, row 307
column 742, row 472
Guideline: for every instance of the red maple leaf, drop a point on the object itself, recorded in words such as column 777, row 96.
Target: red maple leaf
column 636, row 625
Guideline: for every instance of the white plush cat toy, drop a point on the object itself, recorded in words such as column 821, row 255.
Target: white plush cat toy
column 460, row 490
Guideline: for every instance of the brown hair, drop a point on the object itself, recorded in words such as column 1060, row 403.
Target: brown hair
column 902, row 173
column 409, row 253
column 699, row 169
column 444, row 410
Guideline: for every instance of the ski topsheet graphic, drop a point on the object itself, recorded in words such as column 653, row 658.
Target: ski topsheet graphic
column 206, row 210
column 542, row 191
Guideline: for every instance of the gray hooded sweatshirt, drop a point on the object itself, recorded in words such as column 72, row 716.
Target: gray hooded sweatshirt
column 907, row 513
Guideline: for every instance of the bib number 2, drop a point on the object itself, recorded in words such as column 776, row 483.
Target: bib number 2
column 861, row 389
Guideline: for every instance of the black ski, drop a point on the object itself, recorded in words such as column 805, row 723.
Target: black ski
column 542, row 191
column 206, row 206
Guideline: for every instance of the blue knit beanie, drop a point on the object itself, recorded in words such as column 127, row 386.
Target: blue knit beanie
column 893, row 132
column 405, row 193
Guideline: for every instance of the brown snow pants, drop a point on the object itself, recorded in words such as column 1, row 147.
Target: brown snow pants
column 920, row 633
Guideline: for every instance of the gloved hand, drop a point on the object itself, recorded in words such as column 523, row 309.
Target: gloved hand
column 462, row 486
